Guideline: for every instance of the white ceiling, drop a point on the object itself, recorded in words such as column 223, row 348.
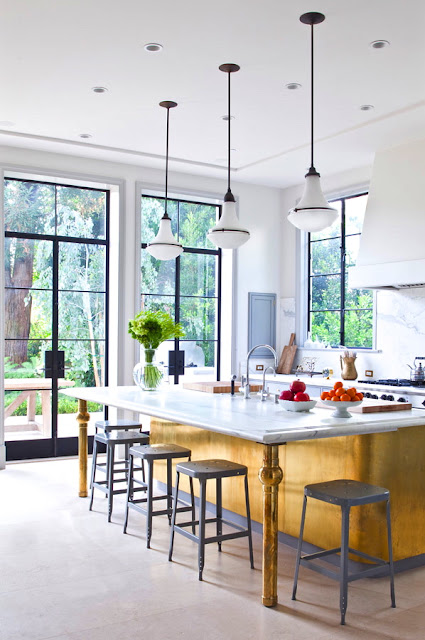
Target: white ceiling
column 54, row 52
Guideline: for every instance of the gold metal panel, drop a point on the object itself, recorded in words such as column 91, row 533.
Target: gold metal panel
column 394, row 460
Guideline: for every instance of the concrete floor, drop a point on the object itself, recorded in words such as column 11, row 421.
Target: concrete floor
column 66, row 574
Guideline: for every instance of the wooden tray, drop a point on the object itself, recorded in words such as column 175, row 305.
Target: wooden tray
column 374, row 406
column 218, row 387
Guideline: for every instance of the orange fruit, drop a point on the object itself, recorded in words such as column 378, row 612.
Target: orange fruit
column 340, row 391
column 355, row 399
column 331, row 393
column 345, row 397
column 352, row 392
column 337, row 385
column 324, row 395
column 359, row 395
column 336, row 399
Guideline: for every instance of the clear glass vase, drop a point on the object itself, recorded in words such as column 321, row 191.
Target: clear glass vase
column 147, row 374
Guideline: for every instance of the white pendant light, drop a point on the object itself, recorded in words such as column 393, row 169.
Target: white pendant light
column 227, row 233
column 313, row 212
column 165, row 246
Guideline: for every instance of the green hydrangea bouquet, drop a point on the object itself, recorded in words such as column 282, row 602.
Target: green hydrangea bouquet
column 150, row 329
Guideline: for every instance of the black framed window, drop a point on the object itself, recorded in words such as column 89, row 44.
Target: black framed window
column 337, row 314
column 189, row 287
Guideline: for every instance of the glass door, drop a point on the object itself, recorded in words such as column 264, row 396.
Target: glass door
column 56, row 276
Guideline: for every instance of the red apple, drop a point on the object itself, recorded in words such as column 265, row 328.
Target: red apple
column 286, row 395
column 297, row 386
column 301, row 397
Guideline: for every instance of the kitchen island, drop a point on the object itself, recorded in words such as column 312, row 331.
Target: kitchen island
column 383, row 449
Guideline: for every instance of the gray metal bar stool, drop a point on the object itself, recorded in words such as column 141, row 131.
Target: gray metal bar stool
column 211, row 470
column 117, row 425
column 150, row 453
column 111, row 439
column 346, row 494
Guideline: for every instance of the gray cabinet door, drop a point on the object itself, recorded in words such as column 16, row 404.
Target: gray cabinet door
column 261, row 322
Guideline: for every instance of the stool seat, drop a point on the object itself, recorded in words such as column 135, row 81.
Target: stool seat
column 209, row 469
column 110, row 425
column 346, row 492
column 160, row 451
column 121, row 437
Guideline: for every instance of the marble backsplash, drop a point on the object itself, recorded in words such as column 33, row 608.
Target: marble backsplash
column 400, row 335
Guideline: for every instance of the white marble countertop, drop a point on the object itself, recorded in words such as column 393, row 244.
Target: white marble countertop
column 263, row 422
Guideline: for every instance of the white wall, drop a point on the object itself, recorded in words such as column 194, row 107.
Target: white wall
column 258, row 262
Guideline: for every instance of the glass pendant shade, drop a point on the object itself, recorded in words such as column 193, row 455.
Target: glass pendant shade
column 164, row 246
column 227, row 233
column 313, row 212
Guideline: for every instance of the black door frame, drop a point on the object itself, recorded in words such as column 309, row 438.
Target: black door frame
column 56, row 447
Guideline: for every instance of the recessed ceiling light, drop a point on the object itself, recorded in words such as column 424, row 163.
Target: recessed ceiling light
column 379, row 44
column 153, row 47
column 366, row 107
column 86, row 136
column 292, row 86
column 226, row 117
column 99, row 89
column 7, row 123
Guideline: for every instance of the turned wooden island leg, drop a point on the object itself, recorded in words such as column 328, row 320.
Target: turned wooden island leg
column 270, row 476
column 82, row 418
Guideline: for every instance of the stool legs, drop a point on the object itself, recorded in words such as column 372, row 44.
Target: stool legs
column 149, row 505
column 219, row 511
column 343, row 594
column 111, row 461
column 173, row 518
column 202, row 508
column 390, row 555
column 129, row 491
column 248, row 517
column 169, row 491
column 300, row 542
column 93, row 472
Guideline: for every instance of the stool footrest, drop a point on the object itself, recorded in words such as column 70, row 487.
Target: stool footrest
column 135, row 504
column 376, row 569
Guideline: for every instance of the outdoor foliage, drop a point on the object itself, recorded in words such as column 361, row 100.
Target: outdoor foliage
column 197, row 275
column 326, row 283
column 48, row 209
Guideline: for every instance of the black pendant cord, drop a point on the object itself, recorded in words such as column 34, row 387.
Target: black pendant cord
column 312, row 100
column 166, row 164
column 228, row 134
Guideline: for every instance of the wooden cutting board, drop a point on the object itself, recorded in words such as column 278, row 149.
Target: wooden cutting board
column 287, row 358
column 218, row 387
column 375, row 406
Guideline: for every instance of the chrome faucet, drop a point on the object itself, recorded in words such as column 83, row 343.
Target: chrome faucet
column 264, row 393
column 246, row 388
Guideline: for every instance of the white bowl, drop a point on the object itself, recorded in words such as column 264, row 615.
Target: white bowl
column 291, row 405
column 341, row 408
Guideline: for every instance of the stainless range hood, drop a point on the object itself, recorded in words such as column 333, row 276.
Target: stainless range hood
column 392, row 245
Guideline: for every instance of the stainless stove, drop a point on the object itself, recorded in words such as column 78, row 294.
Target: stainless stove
column 395, row 390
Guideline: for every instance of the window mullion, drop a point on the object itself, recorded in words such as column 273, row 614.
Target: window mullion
column 342, row 327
